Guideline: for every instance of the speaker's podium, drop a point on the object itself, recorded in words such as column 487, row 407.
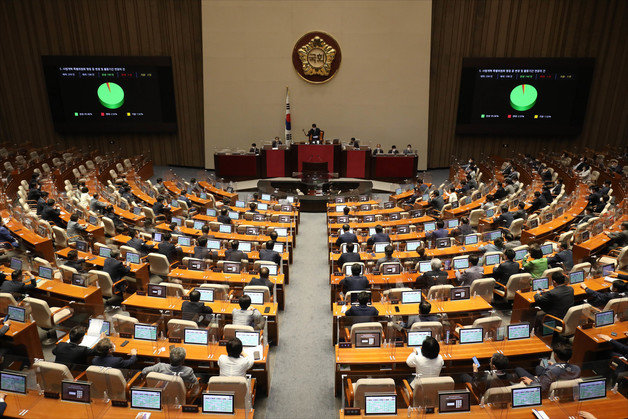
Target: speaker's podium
column 314, row 174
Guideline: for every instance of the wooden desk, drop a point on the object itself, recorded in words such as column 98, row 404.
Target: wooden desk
column 197, row 201
column 586, row 340
column 383, row 223
column 585, row 249
column 140, row 305
column 41, row 245
column 231, row 196
column 97, row 231
column 229, row 236
column 380, row 211
column 26, row 334
column 52, row 290
column 557, row 224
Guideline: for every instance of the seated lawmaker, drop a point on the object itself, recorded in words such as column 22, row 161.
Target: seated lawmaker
column 363, row 309
column 393, row 150
column 496, row 246
column 75, row 231
column 223, row 217
column 247, row 315
column 559, row 299
column 436, row 202
column 167, row 248
column 200, row 249
column 535, row 263
column 347, row 236
column 562, row 259
column 506, row 269
column 268, row 253
column 233, row 254
column 104, row 356
column 554, row 371
column 436, row 276
column 315, row 135
column 194, row 309
column 159, row 208
column 15, row 286
column 136, row 243
column 253, row 208
column 71, row 352
column 599, row 299
column 440, row 232
column 496, row 376
column 388, row 257
column 424, row 315
column 349, row 256
column 408, row 150
column 73, row 261
column 427, row 361
column 117, row 270
column 175, row 367
column 52, row 214
column 465, row 278
column 263, row 279
column 355, row 282
column 506, row 218
column 378, row 237
column 236, row 363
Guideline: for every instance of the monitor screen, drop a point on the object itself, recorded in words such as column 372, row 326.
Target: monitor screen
column 402, row 229
column 218, row 403
column 245, row 247
column 379, row 247
column 518, row 331
column 184, row 241
column 472, row 335
column 547, row 249
column 454, row 401
column 521, row 254
column 203, row 195
column 81, row 246
column 576, row 277
column 367, row 219
column 45, row 272
column 389, row 205
column 540, row 284
column 231, row 267
column 455, row 204
column 257, row 297
column 132, row 257
column 105, row 328
column 604, row 318
column 526, row 396
column 234, row 215
column 391, row 268
column 266, row 197
column 278, row 247
column 368, row 339
column 290, row 199
column 16, row 264
column 461, row 263
column 460, row 293
column 93, row 220
column 452, row 223
column 211, row 212
column 416, row 337
column 13, row 382
column 340, row 208
column 75, row 391
column 213, row 244
column 79, row 280
column 207, row 294
column 16, row 313
column 365, row 207
column 145, row 332
column 137, row 210
column 425, row 197
column 380, row 404
column 425, row 266
column 410, row 297
column 372, row 231
column 606, row 269
column 104, row 252
column 490, row 212
column 240, row 204
column 411, row 246
column 262, row 206
column 177, row 221
column 142, row 398
column 470, row 239
column 592, row 389
column 174, row 203
column 272, row 269
column 491, row 260
column 224, row 228
column 196, row 336
column 281, row 231
column 427, row 227
column 156, row 290
column 157, row 237
column 198, row 225
column 492, row 235
column 443, row 242
column 248, row 338
column 196, row 265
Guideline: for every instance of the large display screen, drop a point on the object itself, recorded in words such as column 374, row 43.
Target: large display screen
column 110, row 94
column 523, row 96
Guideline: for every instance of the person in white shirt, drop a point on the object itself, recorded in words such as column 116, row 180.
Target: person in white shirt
column 235, row 363
column 428, row 362
column 84, row 197
column 453, row 196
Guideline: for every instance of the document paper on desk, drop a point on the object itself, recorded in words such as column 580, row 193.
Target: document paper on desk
column 93, row 333
column 254, row 351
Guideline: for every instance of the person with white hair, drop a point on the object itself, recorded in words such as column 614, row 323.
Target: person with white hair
column 175, row 367
column 435, row 276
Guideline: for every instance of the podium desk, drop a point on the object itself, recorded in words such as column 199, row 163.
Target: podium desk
column 316, row 153
column 394, row 167
column 355, row 163
column 237, row 166
column 275, row 162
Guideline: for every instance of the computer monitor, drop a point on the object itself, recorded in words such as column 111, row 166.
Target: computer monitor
column 184, row 241
column 547, row 249
column 203, row 195
column 224, row 228
column 388, row 205
column 379, row 247
column 45, row 272
column 78, row 280
column 491, row 260
column 93, row 220
column 272, row 269
column 454, row 401
column 105, row 328
column 198, row 225
column 453, row 223
column 14, row 382
column 608, row 269
column 342, row 219
column 207, row 294
column 340, row 208
column 425, row 197
column 132, row 257
column 178, row 221
column 455, row 204
column 472, row 335
column 257, row 297
column 146, row 399
column 81, row 246
column 460, row 293
column 219, row 403
column 174, row 203
column 145, row 332
column 368, row 219
column 446, row 264
column 240, row 204
column 245, row 247
column 231, row 267
column 533, row 223
column 380, row 404
column 278, row 247
column 398, row 191
column 259, row 217
column 75, row 391
column 266, row 197
column 104, row 252
column 157, row 237
column 211, row 212
column 16, row 264
column 213, row 244
column 490, row 212
column 526, row 396
column 410, row 297
column 262, row 207
column 365, row 207
column 443, row 242
column 137, row 210
column 281, row 231
column 429, row 226
column 520, row 254
column 234, row 215
column 196, row 336
column 16, row 313
column 425, row 266
column 416, row 337
column 156, row 290
column 461, row 263
column 604, row 318
column 290, row 199
column 489, row 236
column 368, row 339
column 592, row 389
column 540, row 284
column 519, row 331
column 391, row 268
column 250, row 339
column 252, row 231
column 470, row 239
column 371, row 231
column 411, row 246
column 196, row 265
column 576, row 277
column 348, row 269
column 402, row 229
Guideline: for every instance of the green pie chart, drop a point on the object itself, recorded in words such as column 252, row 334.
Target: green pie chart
column 523, row 97
column 111, row 95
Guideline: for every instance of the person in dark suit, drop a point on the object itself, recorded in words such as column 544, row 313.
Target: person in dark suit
column 437, row 201
column 564, row 258
column 136, row 243
column 104, row 356
column 194, row 309
column 538, row 202
column 223, row 218
column 346, row 236
column 388, row 257
column 158, row 207
column 606, row 187
column 72, row 353
column 253, row 208
column 363, row 309
column 424, row 315
column 233, row 254
column 349, row 256
column 496, row 376
column 200, row 250
column 408, row 150
column 117, row 270
column 440, row 232
column 500, row 192
column 434, row 277
column 599, row 299
column 263, row 279
column 521, row 211
column 276, row 142
column 314, row 135
column 619, row 239
column 15, row 286
column 506, row 218
column 74, row 262
column 557, row 187
column 558, row 300
column 52, row 214
column 267, row 253
column 355, row 282
column 378, row 237
column 254, row 149
column 464, row 228
column 378, row 150
column 41, row 202
column 393, row 150
column 506, row 269
column 169, row 249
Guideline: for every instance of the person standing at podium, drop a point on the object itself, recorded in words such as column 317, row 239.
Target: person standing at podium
column 314, row 135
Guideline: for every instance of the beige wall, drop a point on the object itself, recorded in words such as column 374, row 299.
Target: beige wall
column 380, row 93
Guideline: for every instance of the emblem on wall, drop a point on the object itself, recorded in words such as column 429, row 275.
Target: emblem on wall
column 316, row 57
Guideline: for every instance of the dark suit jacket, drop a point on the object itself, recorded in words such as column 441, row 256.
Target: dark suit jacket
column 500, row 193
column 262, row 281
column 70, row 353
column 235, row 255
column 113, row 361
column 505, row 219
column 159, row 208
column 52, row 215
column 378, row 238
column 565, row 257
column 556, row 301
column 348, row 258
column 354, row 283
column 201, row 252
column 189, row 309
column 538, row 203
column 505, row 270
column 224, row 219
column 138, row 245
column 437, row 202
column 76, row 264
column 365, row 311
column 270, row 255
column 115, row 269
column 431, row 278
column 17, row 287
column 346, row 238
column 171, row 251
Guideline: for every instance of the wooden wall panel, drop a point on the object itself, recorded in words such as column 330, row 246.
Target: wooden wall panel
column 525, row 28
column 32, row 28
